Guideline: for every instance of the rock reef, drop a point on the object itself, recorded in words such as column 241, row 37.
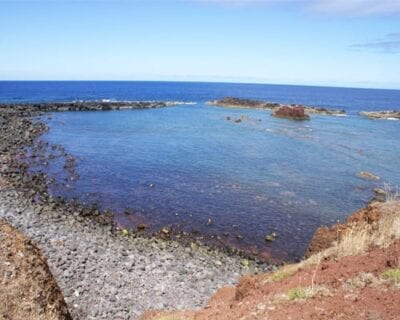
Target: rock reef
column 386, row 114
column 231, row 102
column 89, row 106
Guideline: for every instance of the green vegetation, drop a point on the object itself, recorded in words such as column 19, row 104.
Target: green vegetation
column 279, row 275
column 297, row 294
column 393, row 275
column 304, row 293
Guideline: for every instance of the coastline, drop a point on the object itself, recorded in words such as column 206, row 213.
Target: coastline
column 22, row 148
column 97, row 265
column 104, row 272
column 107, row 275
column 29, row 124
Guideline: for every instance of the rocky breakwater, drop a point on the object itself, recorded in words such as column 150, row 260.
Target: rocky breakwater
column 385, row 115
column 91, row 105
column 231, row 102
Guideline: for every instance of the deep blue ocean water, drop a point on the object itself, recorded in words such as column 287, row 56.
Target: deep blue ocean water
column 350, row 99
column 184, row 165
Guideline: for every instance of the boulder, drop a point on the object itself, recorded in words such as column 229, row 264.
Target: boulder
column 293, row 113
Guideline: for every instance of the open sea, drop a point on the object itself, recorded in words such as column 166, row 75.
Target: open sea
column 190, row 168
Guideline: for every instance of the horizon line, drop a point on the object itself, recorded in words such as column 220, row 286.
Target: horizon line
column 211, row 81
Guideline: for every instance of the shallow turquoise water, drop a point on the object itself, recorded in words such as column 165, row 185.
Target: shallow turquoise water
column 184, row 165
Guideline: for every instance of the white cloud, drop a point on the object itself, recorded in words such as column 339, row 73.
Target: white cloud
column 389, row 44
column 331, row 7
column 357, row 7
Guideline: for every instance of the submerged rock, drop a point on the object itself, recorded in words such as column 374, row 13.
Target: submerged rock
column 368, row 175
column 271, row 237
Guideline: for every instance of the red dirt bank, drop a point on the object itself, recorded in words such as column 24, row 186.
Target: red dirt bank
column 27, row 288
column 324, row 236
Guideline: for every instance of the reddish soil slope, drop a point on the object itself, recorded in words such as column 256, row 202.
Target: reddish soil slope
column 27, row 288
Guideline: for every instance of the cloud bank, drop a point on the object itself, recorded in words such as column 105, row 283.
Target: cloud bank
column 389, row 44
column 334, row 7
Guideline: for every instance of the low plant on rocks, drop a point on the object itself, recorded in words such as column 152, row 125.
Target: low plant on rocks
column 304, row 293
column 393, row 275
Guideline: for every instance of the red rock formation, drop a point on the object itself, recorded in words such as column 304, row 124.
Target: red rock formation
column 294, row 113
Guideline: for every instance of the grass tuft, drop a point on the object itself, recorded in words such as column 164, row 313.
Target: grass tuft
column 393, row 275
column 362, row 236
column 304, row 293
column 297, row 294
column 279, row 275
column 364, row 279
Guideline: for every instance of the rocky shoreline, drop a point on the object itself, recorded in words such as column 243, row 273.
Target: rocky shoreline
column 103, row 272
column 231, row 102
column 96, row 105
column 22, row 149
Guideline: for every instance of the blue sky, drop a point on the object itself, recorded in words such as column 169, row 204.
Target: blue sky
column 315, row 42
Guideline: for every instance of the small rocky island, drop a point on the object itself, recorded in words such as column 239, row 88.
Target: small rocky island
column 289, row 112
column 282, row 110
column 386, row 114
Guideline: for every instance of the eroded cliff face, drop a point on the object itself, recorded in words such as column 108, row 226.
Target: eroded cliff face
column 324, row 237
column 28, row 289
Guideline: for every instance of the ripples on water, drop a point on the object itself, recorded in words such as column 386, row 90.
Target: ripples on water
column 185, row 165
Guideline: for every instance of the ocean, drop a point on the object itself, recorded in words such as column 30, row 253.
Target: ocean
column 190, row 168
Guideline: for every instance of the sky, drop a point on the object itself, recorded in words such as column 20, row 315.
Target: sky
column 351, row 43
